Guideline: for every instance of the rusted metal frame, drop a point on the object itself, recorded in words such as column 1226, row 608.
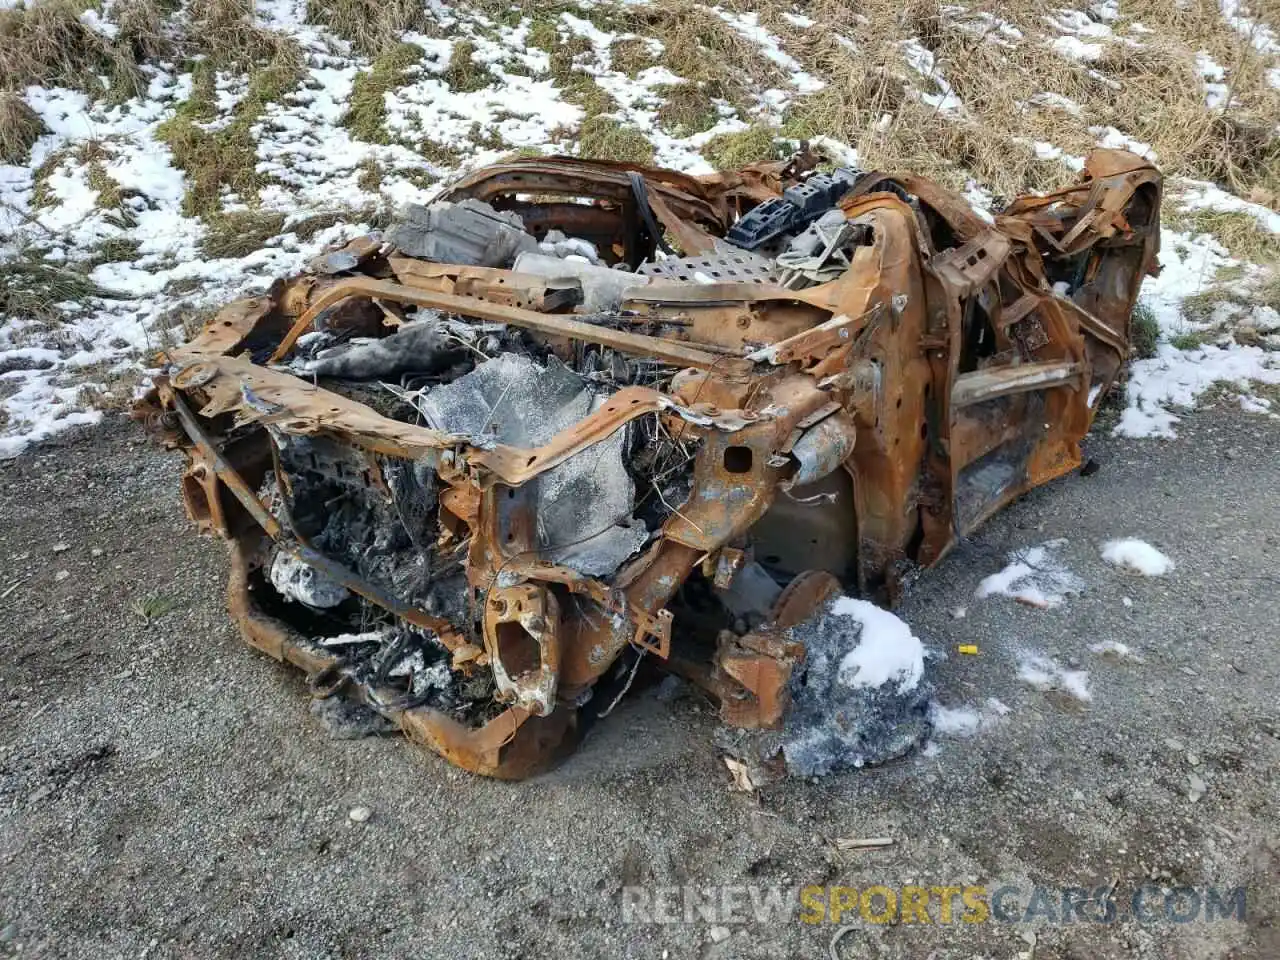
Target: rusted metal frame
column 971, row 388
column 515, row 466
column 300, row 549
column 481, row 283
column 550, row 324
column 511, row 465
column 941, row 348
column 357, row 424
column 597, row 179
column 838, row 331
column 226, row 473
column 692, row 239
column 488, row 560
column 645, row 587
column 322, row 410
column 499, row 748
column 1096, row 328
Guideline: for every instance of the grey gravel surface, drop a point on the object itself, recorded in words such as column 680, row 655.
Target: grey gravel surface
column 166, row 792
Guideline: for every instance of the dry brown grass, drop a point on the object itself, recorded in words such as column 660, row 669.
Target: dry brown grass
column 371, row 26
column 1153, row 93
column 240, row 233
column 630, row 55
column 1238, row 231
column 227, row 33
column 686, row 109
column 603, row 138
column 20, row 127
column 700, row 46
column 47, row 43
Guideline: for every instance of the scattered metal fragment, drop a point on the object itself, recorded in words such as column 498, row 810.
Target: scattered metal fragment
column 861, row 843
column 507, row 484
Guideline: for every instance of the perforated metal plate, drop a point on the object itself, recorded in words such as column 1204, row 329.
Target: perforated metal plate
column 718, row 268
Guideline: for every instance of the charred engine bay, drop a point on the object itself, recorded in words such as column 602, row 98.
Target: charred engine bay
column 575, row 415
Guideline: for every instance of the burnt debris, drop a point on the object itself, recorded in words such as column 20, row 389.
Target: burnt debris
column 575, row 418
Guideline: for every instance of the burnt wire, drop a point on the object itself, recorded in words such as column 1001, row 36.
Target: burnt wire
column 676, row 442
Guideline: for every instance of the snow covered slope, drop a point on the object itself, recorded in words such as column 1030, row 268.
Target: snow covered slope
column 171, row 156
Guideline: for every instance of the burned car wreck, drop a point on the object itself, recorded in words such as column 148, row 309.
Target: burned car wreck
column 575, row 413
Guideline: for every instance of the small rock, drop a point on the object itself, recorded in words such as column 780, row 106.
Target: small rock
column 39, row 793
column 1233, row 453
column 1193, row 759
column 958, row 613
column 719, row 934
column 1197, row 787
column 669, row 688
column 96, row 552
column 1126, row 601
column 61, row 575
column 359, row 814
column 1077, row 796
column 61, row 547
column 1174, row 745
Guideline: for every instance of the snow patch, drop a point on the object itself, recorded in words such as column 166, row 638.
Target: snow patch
column 1045, row 673
column 966, row 721
column 887, row 650
column 1035, row 576
column 1116, row 650
column 1136, row 555
column 1176, row 378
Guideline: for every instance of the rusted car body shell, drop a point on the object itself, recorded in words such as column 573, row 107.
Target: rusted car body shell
column 936, row 380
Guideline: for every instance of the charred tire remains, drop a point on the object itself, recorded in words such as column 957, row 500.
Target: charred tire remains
column 471, row 471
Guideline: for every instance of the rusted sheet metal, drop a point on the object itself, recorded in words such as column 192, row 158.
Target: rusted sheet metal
column 522, row 494
column 554, row 325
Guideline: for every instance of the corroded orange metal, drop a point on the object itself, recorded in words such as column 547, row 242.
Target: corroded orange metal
column 942, row 358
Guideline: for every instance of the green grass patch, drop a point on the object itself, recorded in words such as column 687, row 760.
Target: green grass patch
column 439, row 154
column 114, row 250
column 31, row 289
column 603, row 138
column 41, row 190
column 371, row 174
column 729, row 151
column 240, row 233
column 1199, row 307
column 307, row 228
column 522, row 153
column 464, row 74
column 1239, row 232
column 373, row 27
column 1194, row 340
column 110, row 196
column 227, row 158
column 582, row 89
column 153, row 607
column 367, row 110
column 630, row 55
column 686, row 109
column 420, row 177
column 544, row 35
column 565, row 55
column 1144, row 332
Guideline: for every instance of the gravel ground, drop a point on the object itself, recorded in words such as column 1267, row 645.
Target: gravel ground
column 164, row 791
